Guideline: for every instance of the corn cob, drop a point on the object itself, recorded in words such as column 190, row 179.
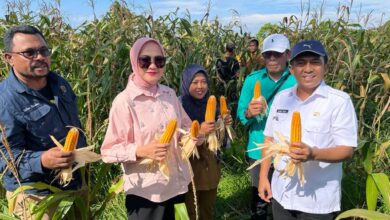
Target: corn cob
column 295, row 133
column 295, row 136
column 168, row 133
column 257, row 90
column 194, row 129
column 210, row 117
column 257, row 96
column 188, row 145
column 82, row 155
column 69, row 146
column 223, row 106
column 224, row 113
column 71, row 140
column 210, row 109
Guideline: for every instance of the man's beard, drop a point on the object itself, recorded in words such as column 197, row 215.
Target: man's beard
column 37, row 64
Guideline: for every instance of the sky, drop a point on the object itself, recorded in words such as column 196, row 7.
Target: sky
column 251, row 13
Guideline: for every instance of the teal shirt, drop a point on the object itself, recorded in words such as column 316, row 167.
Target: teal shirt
column 267, row 87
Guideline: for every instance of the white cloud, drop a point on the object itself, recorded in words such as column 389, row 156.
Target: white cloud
column 164, row 7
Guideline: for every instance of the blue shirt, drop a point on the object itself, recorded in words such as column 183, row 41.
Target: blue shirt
column 268, row 86
column 29, row 118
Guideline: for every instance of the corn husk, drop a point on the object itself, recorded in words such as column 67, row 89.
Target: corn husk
column 82, row 156
column 276, row 151
column 224, row 114
column 189, row 148
column 163, row 165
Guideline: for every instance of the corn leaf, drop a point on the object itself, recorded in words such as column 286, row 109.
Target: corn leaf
column 363, row 213
column 371, row 193
column 181, row 212
column 7, row 217
column 383, row 184
column 63, row 207
column 116, row 187
column 81, row 207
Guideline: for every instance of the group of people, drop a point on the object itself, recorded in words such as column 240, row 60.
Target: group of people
column 36, row 102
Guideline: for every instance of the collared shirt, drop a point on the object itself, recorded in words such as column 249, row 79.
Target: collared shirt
column 29, row 118
column 268, row 85
column 328, row 119
column 137, row 117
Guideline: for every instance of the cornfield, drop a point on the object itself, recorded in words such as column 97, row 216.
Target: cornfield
column 94, row 58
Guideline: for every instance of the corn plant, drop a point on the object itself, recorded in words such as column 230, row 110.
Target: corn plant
column 94, row 58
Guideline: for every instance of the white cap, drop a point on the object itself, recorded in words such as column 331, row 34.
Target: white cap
column 276, row 42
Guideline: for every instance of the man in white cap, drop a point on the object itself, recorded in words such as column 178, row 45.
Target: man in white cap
column 273, row 78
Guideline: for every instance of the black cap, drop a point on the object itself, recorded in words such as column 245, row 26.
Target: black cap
column 312, row 46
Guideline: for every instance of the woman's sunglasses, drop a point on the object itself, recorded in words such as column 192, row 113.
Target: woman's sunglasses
column 145, row 61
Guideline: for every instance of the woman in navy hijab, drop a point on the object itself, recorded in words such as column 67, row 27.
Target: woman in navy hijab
column 207, row 169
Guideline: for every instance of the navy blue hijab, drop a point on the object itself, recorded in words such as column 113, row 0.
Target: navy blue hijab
column 195, row 108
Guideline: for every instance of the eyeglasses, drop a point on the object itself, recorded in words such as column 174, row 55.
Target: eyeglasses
column 33, row 53
column 268, row 54
column 146, row 61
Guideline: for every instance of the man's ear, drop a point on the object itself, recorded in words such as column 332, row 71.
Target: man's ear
column 8, row 58
column 326, row 66
column 290, row 68
column 288, row 53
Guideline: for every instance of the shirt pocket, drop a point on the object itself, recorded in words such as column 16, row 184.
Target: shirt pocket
column 38, row 121
column 318, row 132
column 280, row 122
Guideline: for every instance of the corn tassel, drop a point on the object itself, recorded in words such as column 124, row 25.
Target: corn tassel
column 258, row 97
column 210, row 117
column 225, row 113
column 82, row 155
column 189, row 146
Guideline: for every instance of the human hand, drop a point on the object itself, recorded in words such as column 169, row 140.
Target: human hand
column 55, row 158
column 255, row 107
column 153, row 150
column 264, row 189
column 207, row 127
column 227, row 119
column 300, row 152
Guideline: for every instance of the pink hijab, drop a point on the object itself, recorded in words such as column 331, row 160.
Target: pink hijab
column 134, row 53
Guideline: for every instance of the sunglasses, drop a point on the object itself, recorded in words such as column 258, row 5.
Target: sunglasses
column 33, row 53
column 146, row 61
column 268, row 54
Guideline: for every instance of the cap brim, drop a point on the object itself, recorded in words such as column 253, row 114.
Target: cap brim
column 276, row 49
column 311, row 51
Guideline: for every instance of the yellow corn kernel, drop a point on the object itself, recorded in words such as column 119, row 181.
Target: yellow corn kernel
column 169, row 131
column 257, row 90
column 194, row 129
column 223, row 105
column 296, row 130
column 71, row 140
column 210, row 109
